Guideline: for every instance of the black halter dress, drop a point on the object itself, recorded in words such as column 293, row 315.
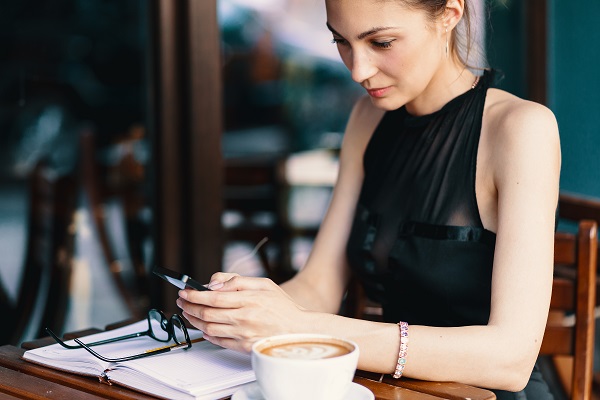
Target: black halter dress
column 417, row 243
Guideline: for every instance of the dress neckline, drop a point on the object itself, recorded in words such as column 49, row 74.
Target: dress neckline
column 411, row 120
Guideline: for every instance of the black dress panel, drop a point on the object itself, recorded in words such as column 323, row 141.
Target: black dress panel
column 417, row 242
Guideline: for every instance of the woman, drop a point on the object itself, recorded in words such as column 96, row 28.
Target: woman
column 444, row 208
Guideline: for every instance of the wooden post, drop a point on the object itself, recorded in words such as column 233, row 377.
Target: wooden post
column 537, row 50
column 185, row 125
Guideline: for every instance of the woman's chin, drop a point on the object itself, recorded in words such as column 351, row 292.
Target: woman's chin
column 387, row 103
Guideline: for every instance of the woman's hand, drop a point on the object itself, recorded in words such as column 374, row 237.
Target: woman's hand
column 238, row 311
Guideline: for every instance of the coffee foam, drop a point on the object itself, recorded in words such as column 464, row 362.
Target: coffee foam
column 306, row 350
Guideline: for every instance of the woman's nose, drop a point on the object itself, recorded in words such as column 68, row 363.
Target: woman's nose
column 362, row 67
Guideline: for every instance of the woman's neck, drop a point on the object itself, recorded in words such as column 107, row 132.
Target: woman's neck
column 449, row 82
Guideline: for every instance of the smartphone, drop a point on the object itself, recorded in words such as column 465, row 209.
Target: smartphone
column 182, row 281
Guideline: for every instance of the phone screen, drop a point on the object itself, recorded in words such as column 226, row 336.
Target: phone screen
column 182, row 281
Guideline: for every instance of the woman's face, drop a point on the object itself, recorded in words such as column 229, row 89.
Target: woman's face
column 393, row 51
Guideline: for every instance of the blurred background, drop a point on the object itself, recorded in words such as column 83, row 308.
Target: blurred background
column 179, row 133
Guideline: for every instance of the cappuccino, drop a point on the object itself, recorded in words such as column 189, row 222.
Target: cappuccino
column 307, row 350
column 304, row 366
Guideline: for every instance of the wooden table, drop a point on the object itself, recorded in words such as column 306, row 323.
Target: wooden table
column 20, row 379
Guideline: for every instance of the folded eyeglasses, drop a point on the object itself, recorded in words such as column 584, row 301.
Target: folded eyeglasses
column 160, row 328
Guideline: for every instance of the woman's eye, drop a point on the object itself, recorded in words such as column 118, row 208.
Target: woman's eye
column 339, row 41
column 383, row 45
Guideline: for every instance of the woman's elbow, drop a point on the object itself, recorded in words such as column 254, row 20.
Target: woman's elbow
column 514, row 372
column 515, row 381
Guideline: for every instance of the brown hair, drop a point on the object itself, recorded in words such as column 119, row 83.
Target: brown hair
column 461, row 41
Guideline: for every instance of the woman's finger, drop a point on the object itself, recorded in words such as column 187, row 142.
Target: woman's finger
column 228, row 343
column 237, row 283
column 234, row 284
column 220, row 332
column 215, row 299
column 208, row 328
column 207, row 313
column 217, row 279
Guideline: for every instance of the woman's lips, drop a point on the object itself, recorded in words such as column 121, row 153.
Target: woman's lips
column 379, row 92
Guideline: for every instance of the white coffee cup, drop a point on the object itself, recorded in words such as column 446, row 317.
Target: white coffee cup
column 304, row 366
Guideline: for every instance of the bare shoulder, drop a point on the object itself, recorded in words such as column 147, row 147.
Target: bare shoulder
column 510, row 119
column 520, row 134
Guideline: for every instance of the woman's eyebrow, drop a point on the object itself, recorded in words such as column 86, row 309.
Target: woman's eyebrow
column 365, row 34
column 374, row 31
column 332, row 30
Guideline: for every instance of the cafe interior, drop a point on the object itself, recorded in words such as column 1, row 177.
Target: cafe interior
column 203, row 136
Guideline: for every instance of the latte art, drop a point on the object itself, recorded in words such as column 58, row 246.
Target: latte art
column 304, row 366
column 306, row 350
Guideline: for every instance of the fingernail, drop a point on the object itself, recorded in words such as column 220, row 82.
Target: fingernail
column 215, row 285
column 178, row 302
column 183, row 294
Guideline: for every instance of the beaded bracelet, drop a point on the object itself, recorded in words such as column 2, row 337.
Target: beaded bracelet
column 403, row 347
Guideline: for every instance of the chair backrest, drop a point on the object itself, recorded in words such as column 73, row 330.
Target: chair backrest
column 576, row 208
column 573, row 301
column 42, row 298
column 8, row 311
column 119, row 181
column 254, row 195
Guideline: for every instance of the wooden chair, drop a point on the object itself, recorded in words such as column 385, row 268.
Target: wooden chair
column 122, row 182
column 571, row 323
column 576, row 208
column 43, row 295
column 358, row 305
column 9, row 313
column 254, row 197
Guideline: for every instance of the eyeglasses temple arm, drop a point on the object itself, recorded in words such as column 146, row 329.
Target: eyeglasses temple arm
column 149, row 353
column 59, row 341
column 116, row 339
column 68, row 346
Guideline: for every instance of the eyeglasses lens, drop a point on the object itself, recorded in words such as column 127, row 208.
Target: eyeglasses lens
column 178, row 331
column 158, row 326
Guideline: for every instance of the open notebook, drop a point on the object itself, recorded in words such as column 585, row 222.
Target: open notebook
column 204, row 371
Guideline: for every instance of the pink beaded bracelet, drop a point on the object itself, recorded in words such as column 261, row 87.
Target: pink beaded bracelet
column 402, row 352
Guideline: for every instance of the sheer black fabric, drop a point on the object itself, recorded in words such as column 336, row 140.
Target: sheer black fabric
column 417, row 242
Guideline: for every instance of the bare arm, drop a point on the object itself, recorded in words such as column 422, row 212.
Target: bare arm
column 321, row 284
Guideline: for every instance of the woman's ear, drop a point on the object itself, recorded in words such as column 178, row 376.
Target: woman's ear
column 453, row 13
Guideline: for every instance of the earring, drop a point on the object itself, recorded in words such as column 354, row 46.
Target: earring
column 446, row 42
